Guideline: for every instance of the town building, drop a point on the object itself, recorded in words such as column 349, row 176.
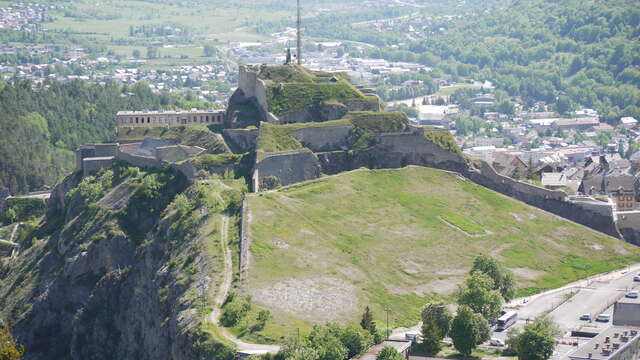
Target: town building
column 170, row 118
column 628, row 122
column 614, row 343
column 626, row 312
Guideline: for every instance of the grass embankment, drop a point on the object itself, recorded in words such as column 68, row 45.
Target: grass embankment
column 378, row 238
column 192, row 135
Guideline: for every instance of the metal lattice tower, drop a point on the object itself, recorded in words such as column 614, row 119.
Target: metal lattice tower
column 299, row 35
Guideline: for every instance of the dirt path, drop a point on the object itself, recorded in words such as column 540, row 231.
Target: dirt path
column 223, row 291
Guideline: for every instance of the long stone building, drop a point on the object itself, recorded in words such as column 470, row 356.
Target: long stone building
column 170, row 118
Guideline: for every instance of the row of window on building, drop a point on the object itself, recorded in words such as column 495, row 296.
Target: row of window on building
column 180, row 119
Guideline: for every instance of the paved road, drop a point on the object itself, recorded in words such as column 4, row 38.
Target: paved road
column 565, row 305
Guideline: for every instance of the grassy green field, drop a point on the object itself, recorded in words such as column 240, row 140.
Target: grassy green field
column 395, row 238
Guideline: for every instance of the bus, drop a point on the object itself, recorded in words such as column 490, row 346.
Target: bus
column 509, row 318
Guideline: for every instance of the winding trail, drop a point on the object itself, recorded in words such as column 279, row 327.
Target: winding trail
column 223, row 292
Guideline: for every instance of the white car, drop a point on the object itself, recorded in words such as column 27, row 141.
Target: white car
column 603, row 317
column 636, row 277
column 496, row 342
column 633, row 294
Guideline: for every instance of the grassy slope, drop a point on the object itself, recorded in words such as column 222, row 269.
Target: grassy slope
column 383, row 231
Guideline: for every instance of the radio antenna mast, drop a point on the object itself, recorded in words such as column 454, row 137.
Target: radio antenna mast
column 299, row 35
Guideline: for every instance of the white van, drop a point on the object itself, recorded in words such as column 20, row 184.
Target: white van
column 603, row 317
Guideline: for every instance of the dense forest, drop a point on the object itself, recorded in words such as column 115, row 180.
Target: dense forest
column 42, row 125
column 571, row 52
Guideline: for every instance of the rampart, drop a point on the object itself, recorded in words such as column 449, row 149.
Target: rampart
column 241, row 140
column 596, row 216
column 287, row 167
column 325, row 138
column 244, row 240
column 629, row 225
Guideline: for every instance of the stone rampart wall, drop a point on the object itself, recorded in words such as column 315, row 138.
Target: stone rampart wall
column 103, row 150
column 241, row 140
column 595, row 216
column 244, row 240
column 289, row 167
column 629, row 226
column 92, row 165
column 139, row 161
column 325, row 138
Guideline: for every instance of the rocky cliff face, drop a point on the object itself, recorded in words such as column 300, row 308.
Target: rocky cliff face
column 116, row 279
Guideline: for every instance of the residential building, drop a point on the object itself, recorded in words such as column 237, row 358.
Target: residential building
column 576, row 124
column 626, row 312
column 628, row 123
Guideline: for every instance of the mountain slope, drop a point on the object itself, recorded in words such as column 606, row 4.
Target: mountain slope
column 323, row 250
column 126, row 265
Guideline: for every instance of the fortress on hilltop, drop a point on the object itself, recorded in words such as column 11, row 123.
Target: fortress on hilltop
column 287, row 124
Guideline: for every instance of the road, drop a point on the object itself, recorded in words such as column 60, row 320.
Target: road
column 593, row 295
column 243, row 347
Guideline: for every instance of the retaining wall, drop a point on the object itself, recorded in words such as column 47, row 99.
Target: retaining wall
column 629, row 226
column 288, row 167
column 244, row 240
column 241, row 140
column 325, row 138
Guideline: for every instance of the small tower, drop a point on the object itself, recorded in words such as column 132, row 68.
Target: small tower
column 299, row 36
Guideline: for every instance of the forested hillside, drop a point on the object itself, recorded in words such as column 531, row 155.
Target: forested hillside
column 41, row 127
column 563, row 52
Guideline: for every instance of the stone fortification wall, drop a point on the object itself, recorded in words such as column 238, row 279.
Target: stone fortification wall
column 140, row 161
column 288, row 167
column 92, row 165
column 253, row 87
column 104, row 150
column 241, row 140
column 84, row 151
column 593, row 215
column 244, row 241
column 393, row 151
column 629, row 226
column 325, row 138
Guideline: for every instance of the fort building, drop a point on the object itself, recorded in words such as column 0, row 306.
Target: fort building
column 170, row 118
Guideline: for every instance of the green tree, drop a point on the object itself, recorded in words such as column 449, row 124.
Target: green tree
column 431, row 337
column 436, row 321
column 535, row 341
column 356, row 340
column 478, row 293
column 563, row 104
column 440, row 314
column 367, row 322
column 261, row 320
column 389, row 353
column 152, row 52
column 468, row 330
column 9, row 349
column 326, row 340
column 209, row 50
column 502, row 277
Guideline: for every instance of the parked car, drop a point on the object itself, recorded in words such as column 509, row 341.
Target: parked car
column 603, row 317
column 496, row 342
column 636, row 277
column 585, row 317
column 633, row 294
